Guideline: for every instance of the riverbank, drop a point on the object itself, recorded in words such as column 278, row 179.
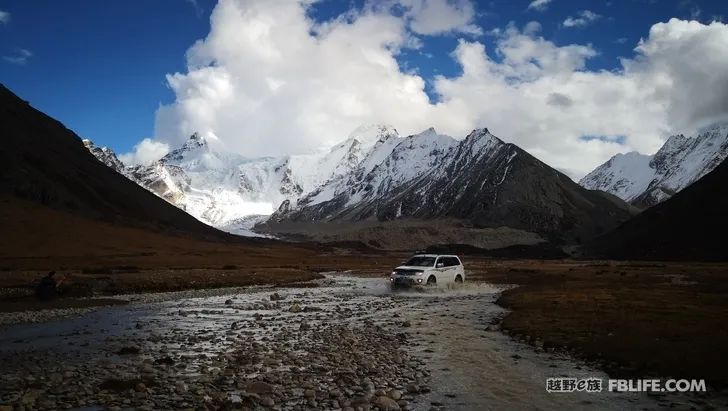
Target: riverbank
column 98, row 284
column 635, row 320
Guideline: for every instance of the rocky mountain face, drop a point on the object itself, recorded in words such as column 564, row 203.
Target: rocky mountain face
column 480, row 180
column 690, row 225
column 648, row 180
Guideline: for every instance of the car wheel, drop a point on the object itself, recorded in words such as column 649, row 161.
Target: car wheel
column 431, row 280
column 458, row 279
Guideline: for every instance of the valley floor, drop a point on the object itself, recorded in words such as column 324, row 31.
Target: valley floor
column 630, row 319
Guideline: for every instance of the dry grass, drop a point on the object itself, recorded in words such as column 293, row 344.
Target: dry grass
column 635, row 319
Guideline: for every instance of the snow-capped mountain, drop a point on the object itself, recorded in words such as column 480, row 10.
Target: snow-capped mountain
column 231, row 192
column 480, row 180
column 390, row 161
column 645, row 180
column 376, row 175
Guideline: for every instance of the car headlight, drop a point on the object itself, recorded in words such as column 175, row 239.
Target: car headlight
column 393, row 273
column 419, row 280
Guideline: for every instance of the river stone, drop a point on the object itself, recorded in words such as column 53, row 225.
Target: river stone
column 259, row 387
column 267, row 402
column 387, row 404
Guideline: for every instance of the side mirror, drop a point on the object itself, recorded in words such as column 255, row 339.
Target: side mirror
column 440, row 265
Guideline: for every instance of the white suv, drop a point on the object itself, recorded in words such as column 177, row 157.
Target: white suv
column 428, row 270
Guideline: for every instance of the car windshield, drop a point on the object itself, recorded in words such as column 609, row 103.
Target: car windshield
column 421, row 261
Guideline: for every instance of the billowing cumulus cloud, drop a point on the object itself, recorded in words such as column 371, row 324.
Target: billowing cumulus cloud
column 268, row 80
column 431, row 17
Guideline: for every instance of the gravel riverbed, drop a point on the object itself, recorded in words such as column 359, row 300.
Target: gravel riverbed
column 348, row 344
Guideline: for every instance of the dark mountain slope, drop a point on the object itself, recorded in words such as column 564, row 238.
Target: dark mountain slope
column 43, row 161
column 691, row 225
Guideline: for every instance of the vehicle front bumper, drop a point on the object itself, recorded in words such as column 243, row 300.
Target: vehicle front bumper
column 402, row 281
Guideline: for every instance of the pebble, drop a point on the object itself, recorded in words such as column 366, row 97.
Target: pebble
column 387, row 404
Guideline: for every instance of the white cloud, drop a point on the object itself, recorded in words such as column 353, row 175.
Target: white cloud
column 4, row 17
column 431, row 17
column 20, row 57
column 532, row 27
column 584, row 18
column 145, row 152
column 268, row 80
column 539, row 5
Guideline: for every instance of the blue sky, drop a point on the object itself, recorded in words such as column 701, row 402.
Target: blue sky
column 100, row 66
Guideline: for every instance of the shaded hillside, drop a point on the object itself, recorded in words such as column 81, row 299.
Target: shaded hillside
column 39, row 237
column 43, row 161
column 689, row 226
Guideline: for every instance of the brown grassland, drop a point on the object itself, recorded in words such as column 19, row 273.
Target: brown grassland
column 636, row 319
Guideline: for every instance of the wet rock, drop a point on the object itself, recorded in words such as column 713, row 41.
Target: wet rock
column 259, row 387
column 180, row 387
column 131, row 350
column 267, row 402
column 387, row 404
column 277, row 297
column 164, row 361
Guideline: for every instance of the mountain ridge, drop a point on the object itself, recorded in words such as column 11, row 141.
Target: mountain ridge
column 378, row 175
column 645, row 180
column 473, row 183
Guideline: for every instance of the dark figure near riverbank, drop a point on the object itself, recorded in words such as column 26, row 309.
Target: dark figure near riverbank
column 47, row 288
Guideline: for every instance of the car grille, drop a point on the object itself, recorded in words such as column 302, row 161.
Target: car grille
column 406, row 272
